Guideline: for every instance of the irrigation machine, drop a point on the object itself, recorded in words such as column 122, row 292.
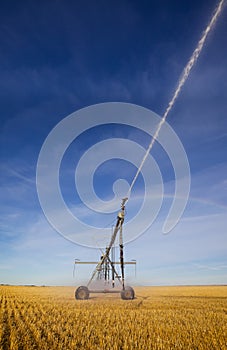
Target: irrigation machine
column 106, row 273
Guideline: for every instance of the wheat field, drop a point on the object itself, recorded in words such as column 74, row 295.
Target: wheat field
column 159, row 318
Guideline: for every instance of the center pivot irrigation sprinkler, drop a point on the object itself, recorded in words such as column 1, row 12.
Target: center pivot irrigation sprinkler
column 105, row 270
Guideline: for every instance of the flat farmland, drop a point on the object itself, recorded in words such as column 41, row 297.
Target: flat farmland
column 159, row 318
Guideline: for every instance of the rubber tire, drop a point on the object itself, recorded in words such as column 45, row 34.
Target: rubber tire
column 127, row 293
column 82, row 293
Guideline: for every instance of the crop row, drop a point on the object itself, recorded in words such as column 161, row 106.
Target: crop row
column 50, row 318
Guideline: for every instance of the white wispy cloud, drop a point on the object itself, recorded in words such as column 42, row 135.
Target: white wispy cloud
column 211, row 267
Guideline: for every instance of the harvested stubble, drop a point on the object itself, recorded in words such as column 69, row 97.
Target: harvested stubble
column 159, row 318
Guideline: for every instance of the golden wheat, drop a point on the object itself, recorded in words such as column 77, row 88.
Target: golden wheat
column 159, row 318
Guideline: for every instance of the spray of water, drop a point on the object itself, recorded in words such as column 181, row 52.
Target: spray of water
column 180, row 84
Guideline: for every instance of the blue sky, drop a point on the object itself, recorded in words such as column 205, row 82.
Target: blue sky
column 57, row 57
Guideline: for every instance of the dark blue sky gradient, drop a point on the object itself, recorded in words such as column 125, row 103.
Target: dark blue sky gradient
column 59, row 56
